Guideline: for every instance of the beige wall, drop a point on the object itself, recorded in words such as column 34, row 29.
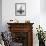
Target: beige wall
column 33, row 13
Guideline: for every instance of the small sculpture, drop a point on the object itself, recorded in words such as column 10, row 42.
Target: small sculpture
column 27, row 21
column 14, row 21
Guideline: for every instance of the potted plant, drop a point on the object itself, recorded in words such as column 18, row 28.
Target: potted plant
column 41, row 36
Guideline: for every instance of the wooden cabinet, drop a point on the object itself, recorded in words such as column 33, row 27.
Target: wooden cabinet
column 22, row 33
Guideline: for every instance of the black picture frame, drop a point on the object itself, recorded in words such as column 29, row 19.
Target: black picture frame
column 20, row 9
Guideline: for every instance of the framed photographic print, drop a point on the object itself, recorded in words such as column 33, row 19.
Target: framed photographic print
column 20, row 9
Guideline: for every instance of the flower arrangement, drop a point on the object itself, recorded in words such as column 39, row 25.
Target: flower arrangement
column 40, row 34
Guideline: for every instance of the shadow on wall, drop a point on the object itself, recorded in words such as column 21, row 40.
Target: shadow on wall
column 43, row 6
column 0, row 15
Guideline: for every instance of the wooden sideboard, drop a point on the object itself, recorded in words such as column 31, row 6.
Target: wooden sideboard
column 22, row 33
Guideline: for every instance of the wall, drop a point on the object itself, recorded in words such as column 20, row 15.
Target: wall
column 33, row 13
column 43, row 6
column 43, row 14
column 0, row 15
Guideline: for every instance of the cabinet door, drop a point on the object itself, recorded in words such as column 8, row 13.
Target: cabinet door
column 20, row 37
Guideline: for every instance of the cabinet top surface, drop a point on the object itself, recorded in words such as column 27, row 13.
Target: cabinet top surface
column 19, row 23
